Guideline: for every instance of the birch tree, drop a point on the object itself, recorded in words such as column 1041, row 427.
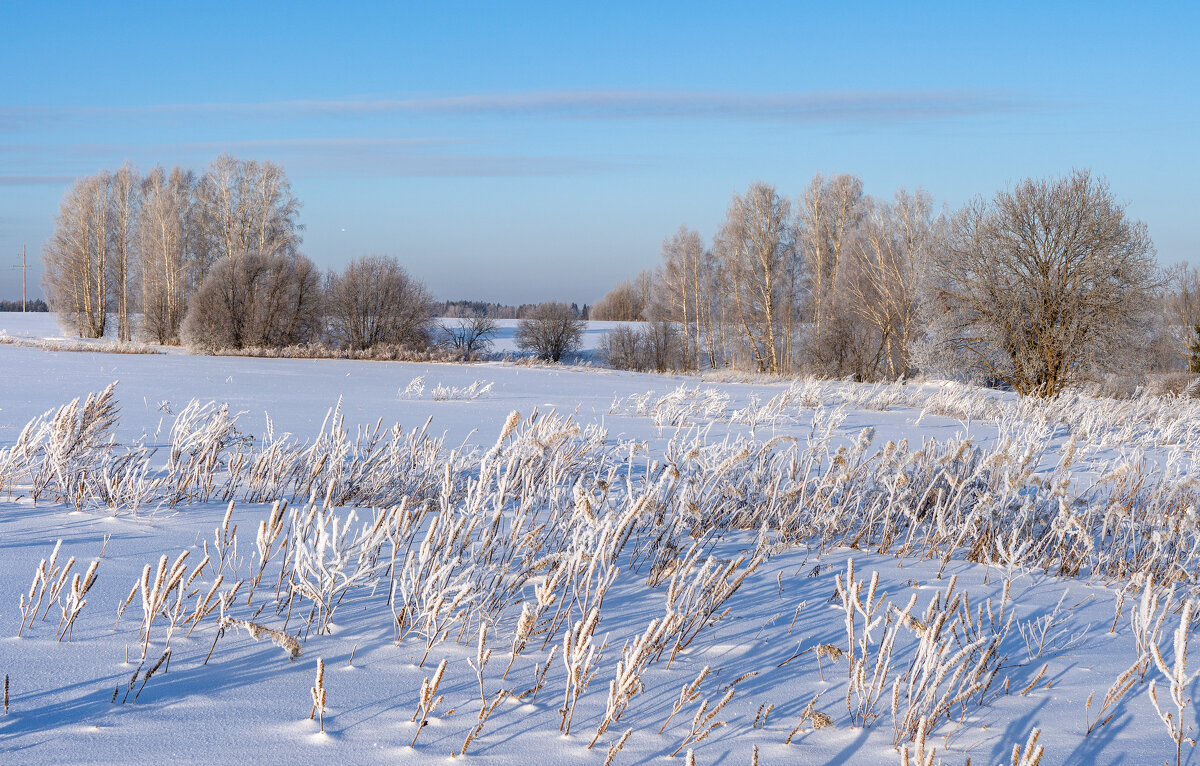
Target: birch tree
column 247, row 207
column 828, row 212
column 623, row 303
column 165, row 232
column 1183, row 313
column 126, row 200
column 757, row 256
column 890, row 251
column 684, row 258
column 76, row 257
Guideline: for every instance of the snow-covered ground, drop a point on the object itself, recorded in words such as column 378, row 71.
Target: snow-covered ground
column 705, row 525
column 43, row 326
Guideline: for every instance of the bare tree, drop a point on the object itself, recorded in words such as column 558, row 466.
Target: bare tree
column 686, row 270
column 829, row 211
column 657, row 346
column 622, row 348
column 167, row 267
column 551, row 331
column 253, row 300
column 623, row 303
column 761, row 273
column 1183, row 312
column 468, row 336
column 1045, row 283
column 76, row 257
column 126, row 201
column 890, row 250
column 665, row 349
column 374, row 300
column 246, row 206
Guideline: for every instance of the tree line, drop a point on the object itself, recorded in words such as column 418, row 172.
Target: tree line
column 211, row 260
column 468, row 308
column 137, row 248
column 37, row 305
column 1041, row 285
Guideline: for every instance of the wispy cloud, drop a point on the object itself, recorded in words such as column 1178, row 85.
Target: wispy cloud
column 802, row 106
column 345, row 155
column 47, row 163
column 287, row 144
column 805, row 106
column 34, row 180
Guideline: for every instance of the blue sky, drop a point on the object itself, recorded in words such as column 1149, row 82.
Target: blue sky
column 519, row 152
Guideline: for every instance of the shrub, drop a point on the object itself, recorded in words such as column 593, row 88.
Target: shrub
column 550, row 331
column 253, row 300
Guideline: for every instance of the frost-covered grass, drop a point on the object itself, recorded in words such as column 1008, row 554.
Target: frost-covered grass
column 244, row 559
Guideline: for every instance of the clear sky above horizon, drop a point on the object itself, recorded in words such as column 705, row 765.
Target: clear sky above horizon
column 521, row 152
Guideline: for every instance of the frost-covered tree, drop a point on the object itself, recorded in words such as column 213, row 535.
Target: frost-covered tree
column 760, row 274
column 889, row 254
column 76, row 257
column 253, row 300
column 246, row 206
column 169, row 273
column 1045, row 283
column 623, row 303
column 468, row 336
column 374, row 300
column 126, row 205
column 551, row 331
column 828, row 214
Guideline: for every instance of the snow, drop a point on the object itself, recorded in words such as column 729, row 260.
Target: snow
column 250, row 702
column 43, row 326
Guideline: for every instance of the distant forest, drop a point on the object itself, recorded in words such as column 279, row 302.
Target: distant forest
column 37, row 304
column 498, row 310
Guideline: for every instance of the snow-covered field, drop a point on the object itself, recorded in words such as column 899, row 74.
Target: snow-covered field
column 665, row 562
column 43, row 327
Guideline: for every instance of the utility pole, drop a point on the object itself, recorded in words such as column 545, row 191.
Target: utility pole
column 24, row 267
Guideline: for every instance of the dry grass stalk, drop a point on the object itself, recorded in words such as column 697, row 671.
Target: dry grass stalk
column 923, row 756
column 483, row 655
column 1031, row 754
column 1035, row 680
column 1119, row 689
column 318, row 694
column 581, row 657
column 165, row 658
column 485, row 712
column 539, row 676
column 1179, row 679
column 525, row 625
column 830, row 651
column 48, row 580
column 703, row 723
column 615, row 747
column 75, row 600
column 810, row 713
column 428, row 700
column 156, row 594
column 687, row 695
column 627, row 681
column 284, row 641
column 760, row 718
